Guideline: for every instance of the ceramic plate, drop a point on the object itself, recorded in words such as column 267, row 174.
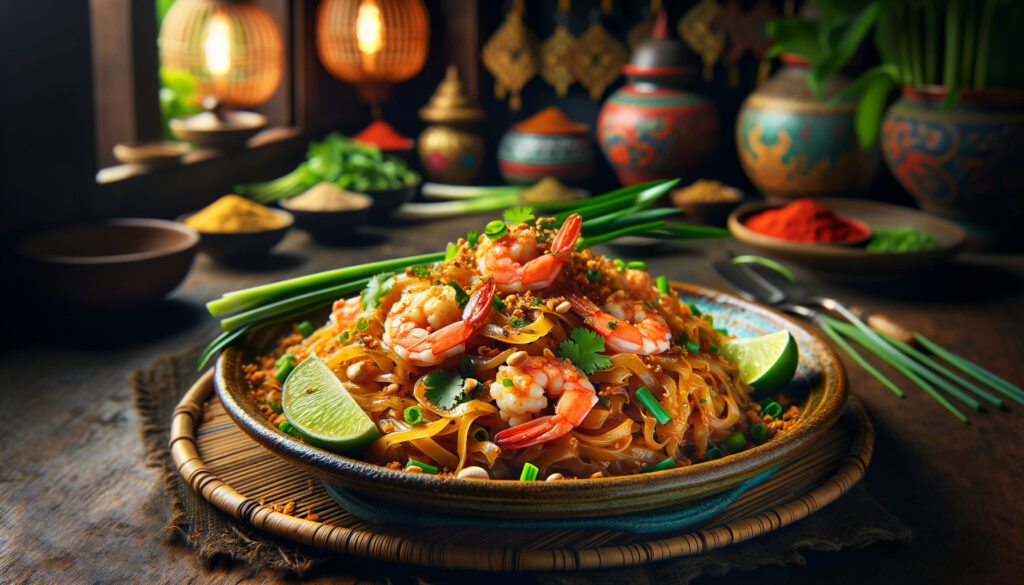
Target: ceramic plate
column 856, row 263
column 820, row 378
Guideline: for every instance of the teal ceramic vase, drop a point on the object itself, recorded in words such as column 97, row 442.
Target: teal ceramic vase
column 793, row 145
column 964, row 162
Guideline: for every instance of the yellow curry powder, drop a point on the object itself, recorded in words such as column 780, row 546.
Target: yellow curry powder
column 233, row 213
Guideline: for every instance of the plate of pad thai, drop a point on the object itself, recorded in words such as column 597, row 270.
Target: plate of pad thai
column 521, row 374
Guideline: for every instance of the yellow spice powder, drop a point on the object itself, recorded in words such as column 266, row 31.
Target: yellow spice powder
column 233, row 213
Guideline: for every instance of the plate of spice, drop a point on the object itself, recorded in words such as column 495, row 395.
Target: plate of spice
column 328, row 212
column 707, row 201
column 234, row 227
column 848, row 239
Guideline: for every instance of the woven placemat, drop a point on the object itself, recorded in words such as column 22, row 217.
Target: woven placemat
column 855, row 520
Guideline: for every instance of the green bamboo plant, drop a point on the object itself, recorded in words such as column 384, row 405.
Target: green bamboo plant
column 958, row 44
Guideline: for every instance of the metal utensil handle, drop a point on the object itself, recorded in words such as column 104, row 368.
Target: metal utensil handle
column 876, row 321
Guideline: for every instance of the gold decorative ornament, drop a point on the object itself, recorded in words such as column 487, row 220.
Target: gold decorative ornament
column 697, row 30
column 510, row 55
column 642, row 30
column 554, row 63
column 597, row 58
column 450, row 149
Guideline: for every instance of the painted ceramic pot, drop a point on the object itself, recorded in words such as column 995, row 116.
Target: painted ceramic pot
column 793, row 145
column 526, row 157
column 654, row 128
column 966, row 163
column 451, row 154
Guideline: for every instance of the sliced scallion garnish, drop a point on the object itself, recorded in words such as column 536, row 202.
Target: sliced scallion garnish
column 424, row 466
column 653, row 406
column 661, row 466
column 529, row 472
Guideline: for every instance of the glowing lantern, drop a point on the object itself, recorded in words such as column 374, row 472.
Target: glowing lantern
column 373, row 43
column 232, row 49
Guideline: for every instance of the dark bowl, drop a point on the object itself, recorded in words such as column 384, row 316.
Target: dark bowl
column 115, row 264
column 820, row 379
column 387, row 201
column 232, row 246
column 710, row 212
column 331, row 226
column 206, row 131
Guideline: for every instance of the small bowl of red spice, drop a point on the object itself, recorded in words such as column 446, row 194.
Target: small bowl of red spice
column 806, row 221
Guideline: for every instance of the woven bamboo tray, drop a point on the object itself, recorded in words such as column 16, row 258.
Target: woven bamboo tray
column 236, row 475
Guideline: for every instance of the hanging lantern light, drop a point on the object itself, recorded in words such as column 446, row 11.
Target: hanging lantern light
column 232, row 49
column 373, row 43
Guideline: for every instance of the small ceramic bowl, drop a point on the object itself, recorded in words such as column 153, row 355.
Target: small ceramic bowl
column 331, row 226
column 235, row 246
column 208, row 131
column 159, row 153
column 115, row 264
column 387, row 201
column 710, row 212
column 850, row 262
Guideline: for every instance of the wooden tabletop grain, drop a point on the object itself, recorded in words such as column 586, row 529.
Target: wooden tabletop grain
column 77, row 505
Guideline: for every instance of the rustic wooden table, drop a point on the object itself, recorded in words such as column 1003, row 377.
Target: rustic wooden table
column 78, row 506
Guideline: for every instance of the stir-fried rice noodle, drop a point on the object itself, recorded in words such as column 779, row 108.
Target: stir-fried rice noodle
column 618, row 435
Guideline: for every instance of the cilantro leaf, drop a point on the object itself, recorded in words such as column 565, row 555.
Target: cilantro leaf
column 582, row 349
column 466, row 367
column 518, row 214
column 444, row 389
column 421, row 270
column 379, row 286
column 461, row 296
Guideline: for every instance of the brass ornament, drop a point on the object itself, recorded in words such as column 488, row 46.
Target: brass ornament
column 697, row 30
column 450, row 148
column 510, row 55
column 554, row 61
column 597, row 58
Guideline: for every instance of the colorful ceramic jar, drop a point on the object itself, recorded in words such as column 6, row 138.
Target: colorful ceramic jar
column 450, row 148
column 967, row 162
column 653, row 128
column 548, row 144
column 793, row 145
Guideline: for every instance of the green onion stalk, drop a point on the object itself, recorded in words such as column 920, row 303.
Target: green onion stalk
column 605, row 217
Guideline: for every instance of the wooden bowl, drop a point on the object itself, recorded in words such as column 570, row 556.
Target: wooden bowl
column 856, row 263
column 820, row 375
column 207, row 131
column 154, row 154
column 231, row 246
column 331, row 226
column 115, row 264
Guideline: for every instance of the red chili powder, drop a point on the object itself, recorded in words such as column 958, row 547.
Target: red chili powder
column 380, row 134
column 806, row 220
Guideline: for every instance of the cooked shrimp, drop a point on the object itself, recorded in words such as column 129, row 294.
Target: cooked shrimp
column 427, row 327
column 521, row 392
column 627, row 324
column 517, row 263
column 347, row 312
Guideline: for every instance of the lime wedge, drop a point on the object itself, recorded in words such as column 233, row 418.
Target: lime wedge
column 766, row 362
column 316, row 403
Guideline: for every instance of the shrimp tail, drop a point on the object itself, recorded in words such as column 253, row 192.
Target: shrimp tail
column 538, row 430
column 479, row 304
column 565, row 239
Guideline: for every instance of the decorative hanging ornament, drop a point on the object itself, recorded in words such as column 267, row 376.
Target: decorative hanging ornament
column 554, row 62
column 642, row 30
column 697, row 30
column 597, row 58
column 510, row 55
